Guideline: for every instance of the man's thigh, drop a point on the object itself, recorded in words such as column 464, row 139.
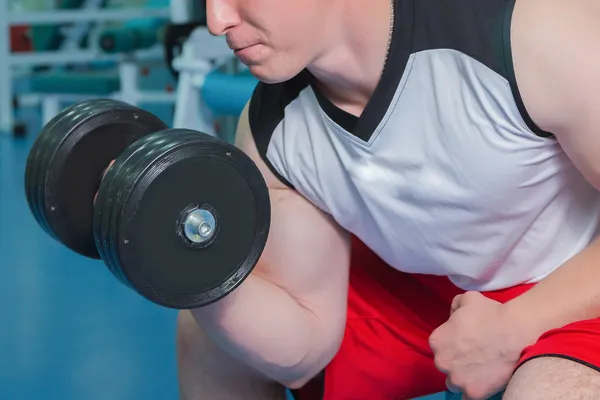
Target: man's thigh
column 563, row 364
column 551, row 378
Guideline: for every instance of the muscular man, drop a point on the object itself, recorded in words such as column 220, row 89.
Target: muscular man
column 433, row 168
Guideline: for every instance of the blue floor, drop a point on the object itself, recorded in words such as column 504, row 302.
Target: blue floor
column 68, row 329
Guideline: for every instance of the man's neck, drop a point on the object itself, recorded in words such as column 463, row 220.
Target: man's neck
column 348, row 71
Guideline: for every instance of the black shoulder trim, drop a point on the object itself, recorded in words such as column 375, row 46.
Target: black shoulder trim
column 563, row 356
column 510, row 72
column 267, row 110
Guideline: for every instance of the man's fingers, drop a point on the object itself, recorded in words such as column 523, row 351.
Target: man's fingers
column 103, row 175
column 456, row 303
column 462, row 299
column 107, row 168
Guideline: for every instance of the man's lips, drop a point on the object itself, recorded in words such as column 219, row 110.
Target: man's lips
column 240, row 48
column 244, row 54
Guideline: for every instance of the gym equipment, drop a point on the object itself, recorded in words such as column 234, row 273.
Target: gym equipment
column 73, row 44
column 202, row 54
column 227, row 94
column 174, row 38
column 180, row 216
column 96, row 83
column 186, row 16
column 49, row 37
column 131, row 36
column 126, row 39
column 59, row 189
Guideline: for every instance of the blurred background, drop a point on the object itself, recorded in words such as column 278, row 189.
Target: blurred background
column 68, row 328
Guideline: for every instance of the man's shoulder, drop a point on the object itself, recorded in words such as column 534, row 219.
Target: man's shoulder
column 267, row 108
column 551, row 57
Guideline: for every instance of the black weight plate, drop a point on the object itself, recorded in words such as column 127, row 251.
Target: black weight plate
column 112, row 132
column 111, row 178
column 75, row 115
column 146, row 240
column 134, row 166
column 126, row 169
column 69, row 162
column 38, row 160
column 32, row 167
column 110, row 192
column 39, row 156
column 107, row 193
column 242, row 227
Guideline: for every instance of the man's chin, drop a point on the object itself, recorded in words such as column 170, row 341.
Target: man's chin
column 268, row 75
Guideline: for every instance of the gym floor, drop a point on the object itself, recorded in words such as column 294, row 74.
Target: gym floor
column 69, row 330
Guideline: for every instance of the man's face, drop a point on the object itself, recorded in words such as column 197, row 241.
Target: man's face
column 276, row 39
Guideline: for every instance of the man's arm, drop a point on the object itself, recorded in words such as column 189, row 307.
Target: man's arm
column 557, row 59
column 287, row 318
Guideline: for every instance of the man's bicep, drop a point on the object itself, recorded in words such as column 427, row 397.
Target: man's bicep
column 307, row 252
column 308, row 257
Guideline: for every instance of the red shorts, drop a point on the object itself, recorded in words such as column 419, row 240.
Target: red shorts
column 385, row 353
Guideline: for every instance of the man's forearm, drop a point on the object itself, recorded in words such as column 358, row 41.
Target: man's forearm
column 264, row 327
column 569, row 294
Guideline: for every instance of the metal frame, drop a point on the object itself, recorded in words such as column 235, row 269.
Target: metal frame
column 6, row 102
column 201, row 54
column 11, row 61
column 83, row 15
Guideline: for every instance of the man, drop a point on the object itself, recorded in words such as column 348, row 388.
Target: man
column 433, row 169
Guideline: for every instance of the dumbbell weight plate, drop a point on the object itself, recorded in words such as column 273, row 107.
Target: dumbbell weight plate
column 123, row 167
column 66, row 162
column 49, row 139
column 146, row 241
column 36, row 158
column 37, row 162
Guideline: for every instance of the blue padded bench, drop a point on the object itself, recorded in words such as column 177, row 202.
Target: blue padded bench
column 86, row 83
column 227, row 94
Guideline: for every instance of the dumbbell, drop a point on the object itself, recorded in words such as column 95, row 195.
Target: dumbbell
column 181, row 217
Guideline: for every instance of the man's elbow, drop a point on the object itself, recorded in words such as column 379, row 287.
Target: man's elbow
column 312, row 363
column 301, row 378
column 298, row 384
column 299, row 374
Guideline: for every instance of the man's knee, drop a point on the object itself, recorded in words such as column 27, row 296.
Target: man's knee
column 190, row 339
column 553, row 378
column 207, row 371
column 197, row 353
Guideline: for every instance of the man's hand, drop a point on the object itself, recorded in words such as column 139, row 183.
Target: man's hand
column 478, row 347
column 103, row 175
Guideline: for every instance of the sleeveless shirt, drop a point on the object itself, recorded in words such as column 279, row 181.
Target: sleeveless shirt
column 444, row 172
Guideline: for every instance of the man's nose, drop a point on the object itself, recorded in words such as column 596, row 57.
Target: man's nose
column 221, row 16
